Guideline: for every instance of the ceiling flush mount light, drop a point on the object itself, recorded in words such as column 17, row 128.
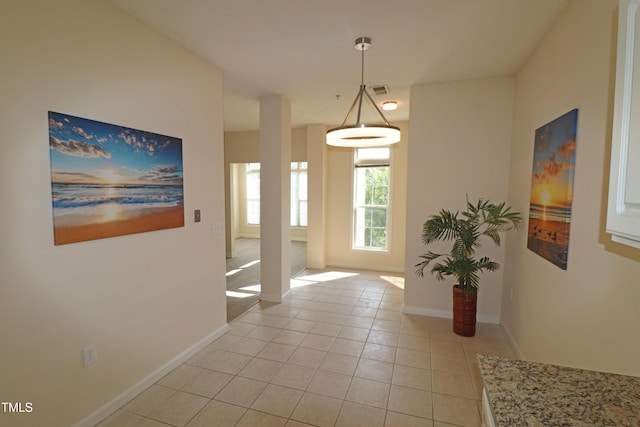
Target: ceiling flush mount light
column 363, row 134
column 390, row 105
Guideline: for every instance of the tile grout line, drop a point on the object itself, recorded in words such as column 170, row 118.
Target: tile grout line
column 334, row 311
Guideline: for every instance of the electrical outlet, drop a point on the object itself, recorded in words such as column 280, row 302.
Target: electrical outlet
column 90, row 354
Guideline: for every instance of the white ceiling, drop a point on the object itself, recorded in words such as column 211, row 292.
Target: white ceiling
column 304, row 49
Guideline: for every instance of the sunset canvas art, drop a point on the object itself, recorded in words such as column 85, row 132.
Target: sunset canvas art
column 552, row 189
column 109, row 180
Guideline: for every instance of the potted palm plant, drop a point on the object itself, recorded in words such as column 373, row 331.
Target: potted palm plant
column 465, row 229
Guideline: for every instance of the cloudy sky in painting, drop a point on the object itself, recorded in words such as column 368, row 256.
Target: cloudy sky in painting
column 91, row 152
column 554, row 162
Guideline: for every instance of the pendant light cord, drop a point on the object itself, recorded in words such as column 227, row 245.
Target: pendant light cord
column 363, row 134
column 362, row 64
column 362, row 88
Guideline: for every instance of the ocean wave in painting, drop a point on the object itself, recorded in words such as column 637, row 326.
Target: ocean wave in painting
column 87, row 199
column 549, row 213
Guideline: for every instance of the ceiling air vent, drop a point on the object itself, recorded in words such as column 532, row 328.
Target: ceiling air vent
column 380, row 90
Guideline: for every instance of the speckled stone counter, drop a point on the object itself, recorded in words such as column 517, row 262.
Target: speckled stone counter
column 535, row 394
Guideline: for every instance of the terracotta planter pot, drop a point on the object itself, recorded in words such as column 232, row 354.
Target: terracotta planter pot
column 464, row 311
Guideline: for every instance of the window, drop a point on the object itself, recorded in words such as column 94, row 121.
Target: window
column 371, row 198
column 298, row 194
column 253, row 193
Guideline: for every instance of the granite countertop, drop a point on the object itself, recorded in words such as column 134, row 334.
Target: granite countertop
column 536, row 394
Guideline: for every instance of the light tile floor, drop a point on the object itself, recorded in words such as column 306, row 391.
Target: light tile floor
column 340, row 352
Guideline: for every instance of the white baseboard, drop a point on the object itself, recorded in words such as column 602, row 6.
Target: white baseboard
column 313, row 266
column 275, row 297
column 486, row 318
column 512, row 342
column 116, row 403
column 366, row 267
column 446, row 314
column 421, row 311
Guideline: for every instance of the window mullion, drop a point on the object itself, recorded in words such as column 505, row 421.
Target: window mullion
column 371, row 198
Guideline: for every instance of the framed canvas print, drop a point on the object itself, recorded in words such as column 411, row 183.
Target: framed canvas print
column 109, row 180
column 552, row 189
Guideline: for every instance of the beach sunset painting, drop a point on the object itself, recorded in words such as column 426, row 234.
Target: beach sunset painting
column 552, row 189
column 109, row 180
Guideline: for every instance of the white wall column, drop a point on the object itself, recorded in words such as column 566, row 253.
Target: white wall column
column 275, row 197
column 316, row 196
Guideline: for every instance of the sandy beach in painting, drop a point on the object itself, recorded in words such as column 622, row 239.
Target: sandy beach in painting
column 166, row 218
column 550, row 240
column 109, row 180
column 94, row 211
column 552, row 189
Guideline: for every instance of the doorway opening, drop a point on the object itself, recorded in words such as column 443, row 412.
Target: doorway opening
column 243, row 252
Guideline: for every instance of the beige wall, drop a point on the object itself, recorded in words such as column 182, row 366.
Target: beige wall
column 588, row 315
column 244, row 147
column 241, row 147
column 142, row 299
column 340, row 214
column 460, row 134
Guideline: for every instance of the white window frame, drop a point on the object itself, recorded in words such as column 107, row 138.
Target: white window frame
column 254, row 168
column 297, row 168
column 251, row 169
column 356, row 164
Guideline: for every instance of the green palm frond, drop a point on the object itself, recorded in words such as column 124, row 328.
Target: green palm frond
column 443, row 226
column 485, row 263
column 493, row 234
column 428, row 257
column 465, row 229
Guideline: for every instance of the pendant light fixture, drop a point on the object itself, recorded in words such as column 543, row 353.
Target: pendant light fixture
column 363, row 134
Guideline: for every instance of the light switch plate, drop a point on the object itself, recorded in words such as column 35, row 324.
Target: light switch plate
column 196, row 215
